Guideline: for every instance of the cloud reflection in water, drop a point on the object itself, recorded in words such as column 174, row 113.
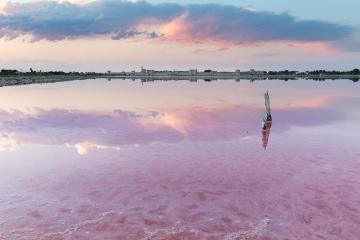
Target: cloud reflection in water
column 112, row 130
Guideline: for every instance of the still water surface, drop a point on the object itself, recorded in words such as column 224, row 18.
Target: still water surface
column 178, row 160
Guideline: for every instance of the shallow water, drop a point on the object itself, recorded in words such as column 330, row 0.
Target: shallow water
column 178, row 160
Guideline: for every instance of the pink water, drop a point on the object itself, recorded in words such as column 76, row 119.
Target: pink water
column 182, row 168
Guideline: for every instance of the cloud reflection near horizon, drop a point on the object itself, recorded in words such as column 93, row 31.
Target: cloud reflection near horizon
column 86, row 130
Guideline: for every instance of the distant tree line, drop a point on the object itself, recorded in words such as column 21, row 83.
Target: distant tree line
column 355, row 71
column 31, row 72
column 6, row 72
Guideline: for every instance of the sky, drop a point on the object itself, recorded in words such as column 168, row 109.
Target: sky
column 101, row 35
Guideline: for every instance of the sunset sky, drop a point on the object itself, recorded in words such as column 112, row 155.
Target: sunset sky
column 85, row 35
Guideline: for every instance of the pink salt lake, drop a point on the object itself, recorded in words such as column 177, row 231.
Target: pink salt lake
column 179, row 160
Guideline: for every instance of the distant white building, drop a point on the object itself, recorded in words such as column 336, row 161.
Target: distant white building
column 193, row 72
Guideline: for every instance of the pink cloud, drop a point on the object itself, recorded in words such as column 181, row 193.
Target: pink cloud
column 316, row 46
column 210, row 23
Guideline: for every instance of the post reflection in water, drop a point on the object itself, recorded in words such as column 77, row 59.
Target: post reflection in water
column 267, row 121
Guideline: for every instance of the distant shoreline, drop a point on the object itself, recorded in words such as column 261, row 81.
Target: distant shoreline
column 229, row 76
column 26, row 79
column 9, row 77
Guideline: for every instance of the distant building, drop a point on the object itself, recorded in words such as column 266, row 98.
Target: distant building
column 253, row 72
column 193, row 72
column 147, row 72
